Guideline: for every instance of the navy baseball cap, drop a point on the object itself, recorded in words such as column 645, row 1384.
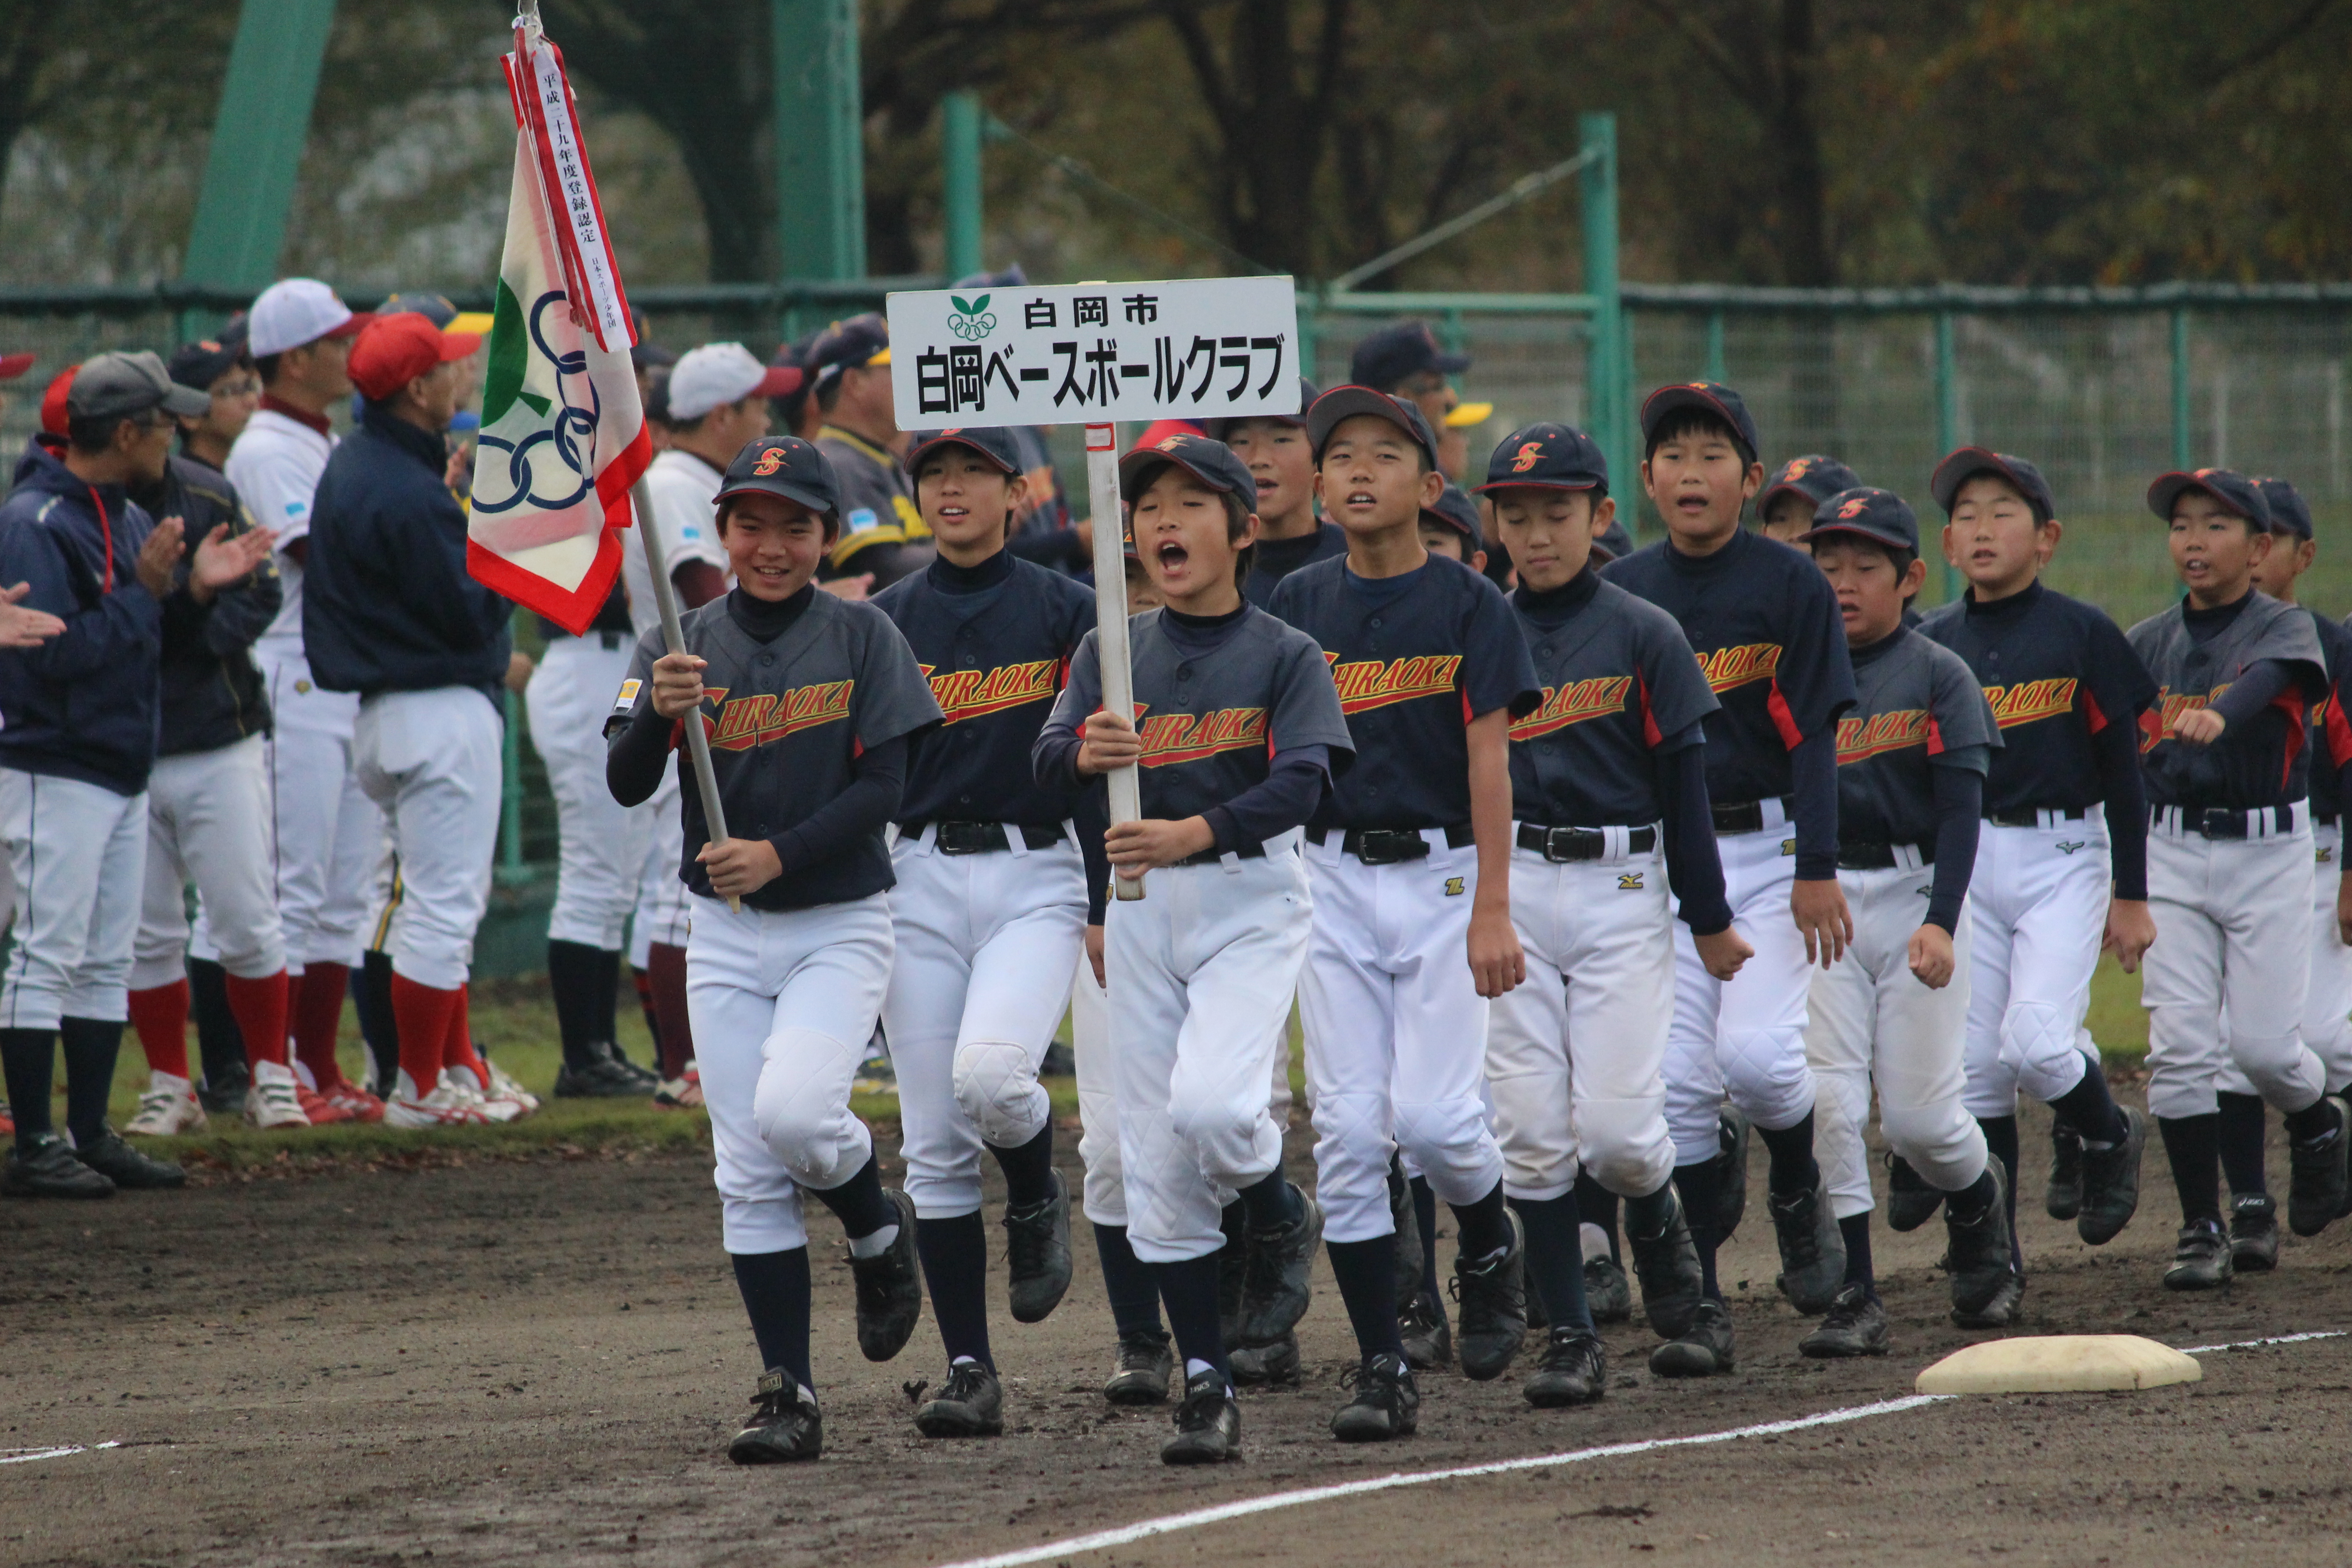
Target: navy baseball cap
column 1548, row 457
column 783, row 466
column 1456, row 510
column 658, row 394
column 2288, row 508
column 1611, row 543
column 1395, row 355
column 1306, row 396
column 845, row 345
column 200, row 363
column 2236, row 493
column 1880, row 516
column 645, row 354
column 1814, row 478
column 1346, row 402
column 993, row 443
column 1970, row 461
column 1708, row 397
column 1205, row 457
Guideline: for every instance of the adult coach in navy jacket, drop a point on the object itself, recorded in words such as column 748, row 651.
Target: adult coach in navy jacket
column 389, row 612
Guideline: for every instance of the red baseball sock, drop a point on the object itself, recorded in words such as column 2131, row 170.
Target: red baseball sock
column 666, row 967
column 160, row 1014
column 421, row 1013
column 318, row 1009
column 260, row 1008
column 460, row 1050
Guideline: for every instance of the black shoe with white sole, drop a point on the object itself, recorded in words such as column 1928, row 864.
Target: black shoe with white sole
column 127, row 1167
column 1385, row 1404
column 2200, row 1257
column 785, row 1425
column 1702, row 1350
column 1572, row 1370
column 42, row 1165
column 971, row 1404
column 1145, row 1367
column 1208, row 1423
column 2253, row 1232
column 1856, row 1326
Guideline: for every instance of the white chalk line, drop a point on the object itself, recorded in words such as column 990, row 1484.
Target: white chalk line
column 1167, row 1524
column 26, row 1456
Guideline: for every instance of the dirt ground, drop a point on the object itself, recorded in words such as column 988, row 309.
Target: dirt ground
column 543, row 1360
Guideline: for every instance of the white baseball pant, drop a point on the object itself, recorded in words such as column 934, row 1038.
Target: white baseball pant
column 2232, row 931
column 986, row 946
column 208, row 822
column 328, row 838
column 2327, row 998
column 79, row 853
column 430, row 761
column 1575, row 1057
column 1746, row 1035
column 602, row 843
column 1396, row 1033
column 782, row 1006
column 663, row 910
column 2037, row 912
column 1871, row 1019
column 1201, row 973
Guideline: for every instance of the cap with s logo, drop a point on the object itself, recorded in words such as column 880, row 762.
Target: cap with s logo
column 2236, row 493
column 1209, row 460
column 1813, row 479
column 1880, row 516
column 786, row 467
column 1548, row 457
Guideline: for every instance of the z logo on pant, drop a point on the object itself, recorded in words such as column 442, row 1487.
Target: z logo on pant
column 1629, row 882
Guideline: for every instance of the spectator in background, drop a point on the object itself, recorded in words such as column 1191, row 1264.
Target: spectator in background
column 795, row 412
column 1406, row 360
column 883, row 537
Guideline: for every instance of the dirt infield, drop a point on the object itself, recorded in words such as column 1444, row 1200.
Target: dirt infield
column 542, row 1360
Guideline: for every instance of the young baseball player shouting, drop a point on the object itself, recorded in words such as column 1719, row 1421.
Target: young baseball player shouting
column 1410, row 862
column 1766, row 630
column 817, row 701
column 1785, row 506
column 1608, row 802
column 989, row 910
column 1240, row 734
column 1912, row 757
column 2230, row 863
column 2061, row 863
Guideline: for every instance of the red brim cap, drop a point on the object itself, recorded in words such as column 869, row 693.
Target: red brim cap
column 781, row 380
column 13, row 365
column 53, row 418
column 457, row 345
column 351, row 329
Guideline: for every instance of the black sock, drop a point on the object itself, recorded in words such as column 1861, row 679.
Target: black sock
column 29, row 1058
column 1969, row 1205
column 1271, row 1202
column 370, row 991
column 2000, row 1143
column 955, row 1267
column 775, row 1287
column 90, row 1047
column 1028, row 1168
column 1855, row 1229
column 2090, row 1110
column 1366, row 1271
column 571, row 970
column 1481, row 1228
column 1555, row 1261
column 2314, row 1121
column 607, row 995
column 1598, row 1204
column 858, row 1202
column 1128, row 1281
column 1699, row 1187
column 645, row 983
column 218, row 1040
column 1424, row 1220
column 1792, row 1169
column 2240, row 1136
column 1189, row 1290
column 2192, row 1145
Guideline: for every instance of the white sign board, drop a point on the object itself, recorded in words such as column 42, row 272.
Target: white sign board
column 1089, row 353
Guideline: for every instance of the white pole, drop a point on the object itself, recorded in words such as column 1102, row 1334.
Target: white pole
column 698, row 744
column 1110, row 621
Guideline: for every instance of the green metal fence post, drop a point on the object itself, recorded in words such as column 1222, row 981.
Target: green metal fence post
column 511, row 863
column 820, row 138
column 1948, row 416
column 959, row 123
column 1715, row 371
column 1608, row 375
column 2179, row 388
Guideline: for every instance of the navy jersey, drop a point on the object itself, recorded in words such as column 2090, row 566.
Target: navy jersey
column 1415, row 658
column 1618, row 684
column 2057, row 671
column 2331, row 730
column 996, row 642
column 2261, row 759
column 1917, row 708
column 1764, row 624
column 1272, row 560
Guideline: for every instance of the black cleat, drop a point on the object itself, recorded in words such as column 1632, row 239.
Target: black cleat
column 1146, row 1364
column 2110, row 1182
column 1428, row 1342
column 971, row 1406
column 2200, row 1257
column 126, row 1167
column 599, row 1077
column 1386, row 1403
column 1273, row 1365
column 785, row 1423
column 2317, row 1173
column 1704, row 1349
column 42, row 1165
column 1412, row 1267
column 1856, row 1326
column 1038, row 1254
column 1910, row 1201
column 889, row 1288
column 1208, row 1423
column 1985, row 1286
column 1281, row 1262
column 647, row 1079
column 1572, row 1370
column 2253, row 1232
column 1607, row 1291
column 2063, row 1198
column 1667, row 1265
column 1491, row 1304
column 1812, row 1251
column 1731, row 1174
column 223, row 1091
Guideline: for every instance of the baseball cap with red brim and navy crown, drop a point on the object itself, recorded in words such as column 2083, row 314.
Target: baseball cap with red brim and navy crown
column 1867, row 512
column 1813, row 479
column 1548, row 457
column 1205, row 457
column 1343, row 403
column 785, row 466
column 1707, row 397
column 1307, row 394
column 2289, row 511
column 2020, row 475
column 2237, row 494
column 1456, row 510
column 993, row 443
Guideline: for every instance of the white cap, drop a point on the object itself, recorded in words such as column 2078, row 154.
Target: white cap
column 297, row 311
column 719, row 373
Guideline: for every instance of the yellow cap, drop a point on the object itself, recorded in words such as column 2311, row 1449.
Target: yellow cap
column 1465, row 415
column 882, row 358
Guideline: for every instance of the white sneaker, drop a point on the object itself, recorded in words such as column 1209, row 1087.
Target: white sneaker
column 169, row 1106
column 503, row 1087
column 494, row 1108
column 448, row 1106
column 273, row 1101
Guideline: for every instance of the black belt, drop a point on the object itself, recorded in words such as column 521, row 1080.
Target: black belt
column 1747, row 815
column 2031, row 817
column 2220, row 822
column 980, row 838
column 1211, row 856
column 1390, row 846
column 1880, row 857
column 1565, row 844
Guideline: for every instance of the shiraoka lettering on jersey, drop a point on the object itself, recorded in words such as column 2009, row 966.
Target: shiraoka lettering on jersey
column 1859, row 739
column 964, row 694
column 1172, row 738
column 1573, row 704
column 1745, row 664
column 1375, row 683
column 2031, row 700
column 2160, row 724
column 748, row 722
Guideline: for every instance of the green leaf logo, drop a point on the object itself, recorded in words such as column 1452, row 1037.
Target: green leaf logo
column 963, row 308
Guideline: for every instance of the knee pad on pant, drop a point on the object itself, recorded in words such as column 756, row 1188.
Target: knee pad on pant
column 1767, row 1076
column 1941, row 1141
column 802, row 1108
column 1448, row 1139
column 1231, row 1135
column 2038, row 1044
column 1622, row 1144
column 1106, row 1184
column 996, row 1084
column 2282, row 1069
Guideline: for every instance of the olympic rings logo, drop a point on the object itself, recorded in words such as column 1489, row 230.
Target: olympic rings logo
column 571, row 433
